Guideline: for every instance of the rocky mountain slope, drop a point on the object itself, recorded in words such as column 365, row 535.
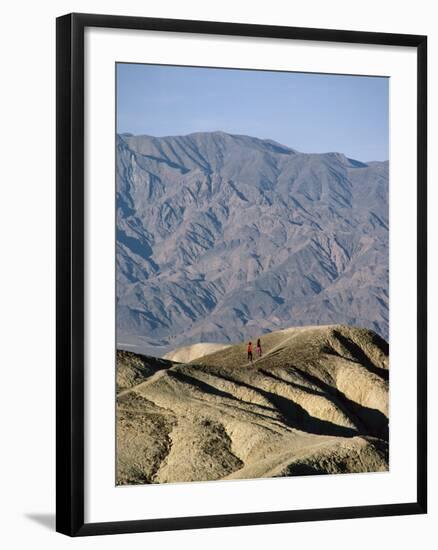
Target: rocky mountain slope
column 220, row 237
column 316, row 402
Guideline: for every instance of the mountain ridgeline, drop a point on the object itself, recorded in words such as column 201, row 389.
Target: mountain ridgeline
column 221, row 237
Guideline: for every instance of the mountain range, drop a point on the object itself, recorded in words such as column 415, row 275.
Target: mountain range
column 221, row 237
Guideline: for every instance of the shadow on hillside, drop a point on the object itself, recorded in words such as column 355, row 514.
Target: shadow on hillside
column 375, row 422
column 361, row 358
column 294, row 416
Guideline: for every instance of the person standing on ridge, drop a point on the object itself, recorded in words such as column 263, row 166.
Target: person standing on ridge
column 259, row 348
column 250, row 352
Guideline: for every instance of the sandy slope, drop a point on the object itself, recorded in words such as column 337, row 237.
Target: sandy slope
column 316, row 402
column 195, row 351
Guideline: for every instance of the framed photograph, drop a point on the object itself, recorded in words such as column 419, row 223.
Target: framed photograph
column 241, row 274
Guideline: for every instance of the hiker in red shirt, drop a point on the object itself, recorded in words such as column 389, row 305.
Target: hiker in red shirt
column 250, row 352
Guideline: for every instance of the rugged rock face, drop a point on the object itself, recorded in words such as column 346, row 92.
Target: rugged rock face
column 316, row 402
column 222, row 237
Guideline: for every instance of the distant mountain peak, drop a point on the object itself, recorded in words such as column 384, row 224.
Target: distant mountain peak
column 211, row 135
column 223, row 236
column 242, row 140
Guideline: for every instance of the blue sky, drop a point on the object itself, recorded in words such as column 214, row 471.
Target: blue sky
column 312, row 113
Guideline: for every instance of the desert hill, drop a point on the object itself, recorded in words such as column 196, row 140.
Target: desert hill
column 316, row 402
column 186, row 354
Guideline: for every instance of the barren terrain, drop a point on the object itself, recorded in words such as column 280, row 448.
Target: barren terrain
column 316, row 402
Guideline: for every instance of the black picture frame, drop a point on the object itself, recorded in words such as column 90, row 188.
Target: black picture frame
column 70, row 273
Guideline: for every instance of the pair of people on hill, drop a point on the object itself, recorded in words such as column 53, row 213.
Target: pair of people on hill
column 258, row 348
